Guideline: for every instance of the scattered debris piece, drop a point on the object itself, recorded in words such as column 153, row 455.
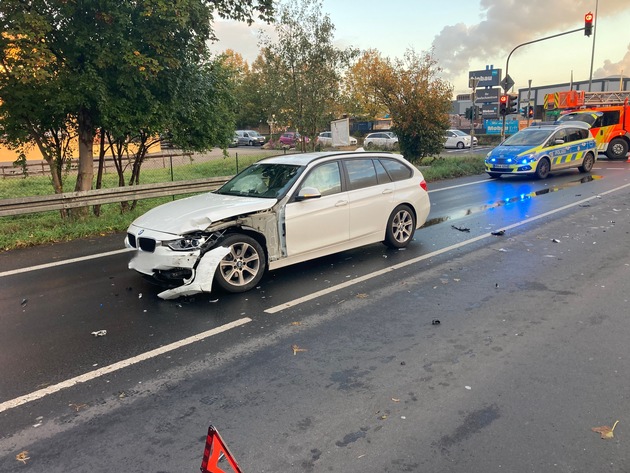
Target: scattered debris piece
column 22, row 456
column 24, row 302
column 122, row 395
column 100, row 333
column 468, row 388
column 297, row 349
column 555, row 240
column 498, row 233
column 604, row 431
column 362, row 296
column 140, row 296
column 77, row 407
column 461, row 229
column 213, row 301
column 383, row 417
column 435, row 322
column 395, row 400
column 403, row 363
column 296, row 323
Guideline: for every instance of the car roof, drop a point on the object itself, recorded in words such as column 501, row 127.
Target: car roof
column 560, row 126
column 304, row 159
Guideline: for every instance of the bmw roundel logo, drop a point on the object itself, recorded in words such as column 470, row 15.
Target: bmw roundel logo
column 141, row 232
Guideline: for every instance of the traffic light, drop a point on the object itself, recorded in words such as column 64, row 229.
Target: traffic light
column 512, row 104
column 530, row 112
column 588, row 24
column 503, row 103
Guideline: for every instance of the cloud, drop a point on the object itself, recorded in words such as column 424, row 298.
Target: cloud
column 507, row 23
column 239, row 37
column 614, row 68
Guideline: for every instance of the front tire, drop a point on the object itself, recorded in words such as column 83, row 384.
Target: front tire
column 587, row 164
column 543, row 168
column 460, row 145
column 617, row 149
column 243, row 267
column 401, row 227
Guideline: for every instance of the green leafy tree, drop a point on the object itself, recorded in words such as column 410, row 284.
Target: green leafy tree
column 89, row 60
column 416, row 97
column 302, row 68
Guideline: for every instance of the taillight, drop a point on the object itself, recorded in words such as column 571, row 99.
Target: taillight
column 423, row 184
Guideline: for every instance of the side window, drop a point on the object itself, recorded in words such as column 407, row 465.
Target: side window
column 397, row 170
column 381, row 173
column 361, row 173
column 326, row 178
column 559, row 135
column 573, row 135
column 610, row 118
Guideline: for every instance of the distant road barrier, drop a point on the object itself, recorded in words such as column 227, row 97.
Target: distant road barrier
column 70, row 200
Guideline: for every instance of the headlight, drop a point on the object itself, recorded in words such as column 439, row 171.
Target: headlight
column 188, row 243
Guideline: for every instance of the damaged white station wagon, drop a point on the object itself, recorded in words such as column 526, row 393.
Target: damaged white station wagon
column 279, row 211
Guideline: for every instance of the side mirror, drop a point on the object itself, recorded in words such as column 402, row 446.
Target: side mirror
column 558, row 142
column 307, row 193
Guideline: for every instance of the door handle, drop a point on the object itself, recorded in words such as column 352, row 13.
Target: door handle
column 341, row 203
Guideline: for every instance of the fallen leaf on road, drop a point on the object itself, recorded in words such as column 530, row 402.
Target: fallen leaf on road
column 604, row 431
column 22, row 456
column 362, row 296
column 296, row 349
column 77, row 407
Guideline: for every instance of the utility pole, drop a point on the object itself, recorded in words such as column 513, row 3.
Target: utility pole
column 529, row 98
column 590, row 77
column 474, row 81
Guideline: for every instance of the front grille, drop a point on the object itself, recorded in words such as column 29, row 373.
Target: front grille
column 131, row 238
column 147, row 244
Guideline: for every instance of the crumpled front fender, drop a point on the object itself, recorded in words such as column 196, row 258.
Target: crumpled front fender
column 201, row 281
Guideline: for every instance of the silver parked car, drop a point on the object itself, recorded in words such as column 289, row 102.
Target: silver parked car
column 277, row 212
column 250, row 138
column 381, row 139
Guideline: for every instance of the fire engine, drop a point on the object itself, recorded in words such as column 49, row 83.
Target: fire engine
column 607, row 113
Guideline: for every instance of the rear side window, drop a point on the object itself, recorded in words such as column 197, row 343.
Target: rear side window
column 396, row 170
column 361, row 173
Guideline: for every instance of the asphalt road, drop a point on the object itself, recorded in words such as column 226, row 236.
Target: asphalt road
column 466, row 352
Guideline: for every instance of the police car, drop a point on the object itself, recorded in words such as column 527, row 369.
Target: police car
column 542, row 149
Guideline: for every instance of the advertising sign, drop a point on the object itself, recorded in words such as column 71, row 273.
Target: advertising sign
column 493, row 127
column 486, row 78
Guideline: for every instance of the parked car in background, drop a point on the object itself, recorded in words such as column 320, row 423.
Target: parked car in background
column 458, row 139
column 279, row 211
column 325, row 139
column 250, row 138
column 234, row 142
column 290, row 138
column 543, row 149
column 381, row 139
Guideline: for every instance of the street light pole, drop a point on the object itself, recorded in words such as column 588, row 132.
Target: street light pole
column 590, row 77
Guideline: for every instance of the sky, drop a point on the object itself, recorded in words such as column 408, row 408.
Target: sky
column 469, row 35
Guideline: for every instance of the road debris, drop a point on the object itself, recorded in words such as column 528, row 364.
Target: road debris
column 297, row 349
column 22, row 456
column 498, row 233
column 24, row 302
column 604, row 431
column 461, row 229
column 435, row 322
column 100, row 333
column 362, row 296
column 555, row 240
column 77, row 407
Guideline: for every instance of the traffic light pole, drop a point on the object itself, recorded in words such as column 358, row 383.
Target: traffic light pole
column 507, row 64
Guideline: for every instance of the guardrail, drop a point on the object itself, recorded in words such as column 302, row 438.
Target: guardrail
column 70, row 200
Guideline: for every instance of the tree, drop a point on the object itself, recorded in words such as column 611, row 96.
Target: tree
column 417, row 99
column 359, row 94
column 302, row 68
column 105, row 56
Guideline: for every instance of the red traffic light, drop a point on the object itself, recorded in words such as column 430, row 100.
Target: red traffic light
column 504, row 99
column 588, row 24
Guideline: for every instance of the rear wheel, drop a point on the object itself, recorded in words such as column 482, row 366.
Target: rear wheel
column 587, row 164
column 369, row 145
column 251, row 143
column 243, row 267
column 401, row 226
column 543, row 168
column 617, row 149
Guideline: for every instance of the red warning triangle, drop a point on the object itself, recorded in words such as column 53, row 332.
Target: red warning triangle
column 214, row 451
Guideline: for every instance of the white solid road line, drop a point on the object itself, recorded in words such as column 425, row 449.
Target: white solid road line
column 323, row 292
column 61, row 263
column 119, row 365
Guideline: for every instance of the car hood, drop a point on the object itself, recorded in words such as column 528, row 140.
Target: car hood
column 198, row 212
column 510, row 151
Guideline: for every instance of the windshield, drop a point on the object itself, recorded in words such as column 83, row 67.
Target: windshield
column 269, row 181
column 528, row 137
column 579, row 117
column 459, row 132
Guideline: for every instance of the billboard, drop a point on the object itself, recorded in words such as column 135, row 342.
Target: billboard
column 486, row 78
